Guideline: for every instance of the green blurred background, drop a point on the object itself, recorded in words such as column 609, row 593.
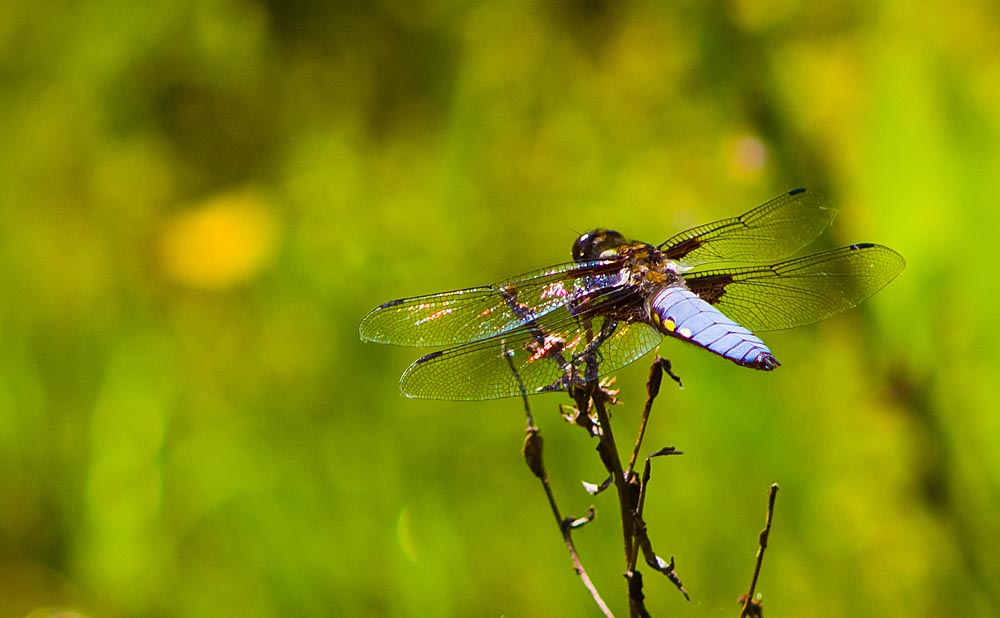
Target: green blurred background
column 200, row 201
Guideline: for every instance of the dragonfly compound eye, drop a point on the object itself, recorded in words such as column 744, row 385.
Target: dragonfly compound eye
column 591, row 245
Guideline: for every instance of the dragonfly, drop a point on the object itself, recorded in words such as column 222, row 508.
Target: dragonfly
column 570, row 324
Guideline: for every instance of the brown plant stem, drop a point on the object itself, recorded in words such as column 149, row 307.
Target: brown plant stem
column 656, row 371
column 608, row 451
column 751, row 607
column 532, row 452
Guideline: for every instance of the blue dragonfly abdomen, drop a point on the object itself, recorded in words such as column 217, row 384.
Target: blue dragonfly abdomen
column 679, row 312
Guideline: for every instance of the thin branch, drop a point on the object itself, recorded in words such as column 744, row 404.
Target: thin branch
column 656, row 371
column 533, row 457
column 641, row 533
column 636, row 597
column 532, row 452
column 752, row 607
column 591, row 401
column 608, row 450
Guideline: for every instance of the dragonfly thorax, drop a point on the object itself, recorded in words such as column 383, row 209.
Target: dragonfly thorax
column 649, row 267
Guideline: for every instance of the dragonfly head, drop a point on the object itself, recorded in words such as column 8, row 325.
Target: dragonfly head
column 595, row 244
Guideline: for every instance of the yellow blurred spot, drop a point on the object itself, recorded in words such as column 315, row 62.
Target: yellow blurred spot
column 221, row 242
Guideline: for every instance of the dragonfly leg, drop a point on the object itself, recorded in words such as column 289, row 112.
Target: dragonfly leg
column 584, row 367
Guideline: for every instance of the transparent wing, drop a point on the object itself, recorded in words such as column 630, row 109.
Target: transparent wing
column 800, row 291
column 451, row 318
column 545, row 357
column 769, row 232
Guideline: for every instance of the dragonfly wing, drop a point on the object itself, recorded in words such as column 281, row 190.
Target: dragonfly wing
column 528, row 360
column 771, row 231
column 451, row 318
column 800, row 291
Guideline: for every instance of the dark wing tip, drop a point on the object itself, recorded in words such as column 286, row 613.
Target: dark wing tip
column 891, row 255
column 377, row 324
column 416, row 391
column 369, row 330
column 797, row 191
column 427, row 357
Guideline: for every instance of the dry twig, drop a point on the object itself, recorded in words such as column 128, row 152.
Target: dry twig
column 752, row 606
